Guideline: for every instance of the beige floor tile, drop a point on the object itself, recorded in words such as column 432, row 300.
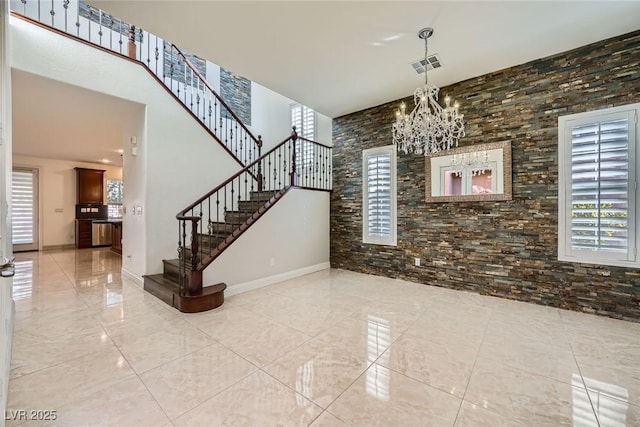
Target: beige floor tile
column 444, row 367
column 257, row 400
column 30, row 354
column 327, row 420
column 263, row 344
column 471, row 415
column 381, row 397
column 183, row 384
column 319, row 371
column 369, row 336
column 310, row 319
column 122, row 404
column 68, row 382
column 529, row 399
column 613, row 404
column 162, row 346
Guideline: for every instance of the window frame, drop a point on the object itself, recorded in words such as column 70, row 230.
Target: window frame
column 109, row 203
column 565, row 127
column 301, row 127
column 367, row 238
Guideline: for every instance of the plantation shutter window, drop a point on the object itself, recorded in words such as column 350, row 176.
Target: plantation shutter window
column 379, row 196
column 24, row 209
column 304, row 119
column 598, row 190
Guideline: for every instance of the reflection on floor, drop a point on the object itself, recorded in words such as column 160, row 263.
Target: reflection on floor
column 327, row 349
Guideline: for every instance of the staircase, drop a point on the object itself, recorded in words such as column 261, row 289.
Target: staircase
column 167, row 286
column 210, row 225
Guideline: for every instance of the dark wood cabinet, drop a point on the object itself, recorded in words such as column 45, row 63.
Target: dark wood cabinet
column 83, row 233
column 90, row 186
column 116, row 237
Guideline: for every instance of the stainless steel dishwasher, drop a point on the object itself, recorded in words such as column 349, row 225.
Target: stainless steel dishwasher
column 100, row 233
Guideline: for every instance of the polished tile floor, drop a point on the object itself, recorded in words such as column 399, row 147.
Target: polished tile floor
column 327, row 349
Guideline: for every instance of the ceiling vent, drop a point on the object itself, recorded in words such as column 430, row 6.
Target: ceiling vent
column 432, row 60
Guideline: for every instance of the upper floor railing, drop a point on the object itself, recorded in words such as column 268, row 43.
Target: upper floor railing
column 171, row 66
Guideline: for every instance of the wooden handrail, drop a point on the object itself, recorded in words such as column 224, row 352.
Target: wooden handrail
column 314, row 142
column 206, row 83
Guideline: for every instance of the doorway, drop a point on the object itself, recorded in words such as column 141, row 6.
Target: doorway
column 24, row 209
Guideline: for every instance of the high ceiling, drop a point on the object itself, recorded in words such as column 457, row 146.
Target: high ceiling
column 343, row 56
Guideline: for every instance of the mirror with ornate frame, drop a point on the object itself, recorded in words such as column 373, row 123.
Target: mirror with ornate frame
column 478, row 172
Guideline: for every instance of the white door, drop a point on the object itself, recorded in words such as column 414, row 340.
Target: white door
column 24, row 209
column 6, row 281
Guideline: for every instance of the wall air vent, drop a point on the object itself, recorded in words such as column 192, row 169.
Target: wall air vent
column 432, row 60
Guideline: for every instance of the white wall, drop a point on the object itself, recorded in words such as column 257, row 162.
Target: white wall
column 271, row 118
column 294, row 233
column 57, row 191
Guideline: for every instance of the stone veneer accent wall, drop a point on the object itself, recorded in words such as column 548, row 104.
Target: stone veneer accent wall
column 236, row 92
column 506, row 249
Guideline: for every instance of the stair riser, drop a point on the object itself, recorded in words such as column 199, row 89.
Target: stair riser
column 171, row 271
column 158, row 291
column 261, row 196
column 237, row 217
column 250, row 206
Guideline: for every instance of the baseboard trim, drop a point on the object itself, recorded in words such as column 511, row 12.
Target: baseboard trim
column 266, row 281
column 132, row 276
column 55, row 247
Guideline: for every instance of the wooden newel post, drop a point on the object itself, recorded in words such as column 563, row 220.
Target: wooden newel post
column 132, row 42
column 195, row 276
column 294, row 138
column 259, row 176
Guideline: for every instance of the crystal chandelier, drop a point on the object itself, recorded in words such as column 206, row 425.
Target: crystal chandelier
column 429, row 128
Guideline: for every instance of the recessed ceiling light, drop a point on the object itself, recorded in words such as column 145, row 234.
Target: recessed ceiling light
column 106, row 161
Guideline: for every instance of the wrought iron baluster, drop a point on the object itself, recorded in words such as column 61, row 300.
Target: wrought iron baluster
column 88, row 26
column 53, row 13
column 120, row 35
column 157, row 54
column 190, row 87
column 141, row 42
column 65, row 5
column 100, row 23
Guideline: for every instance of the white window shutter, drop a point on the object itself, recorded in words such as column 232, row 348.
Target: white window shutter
column 379, row 196
column 598, row 192
column 22, row 207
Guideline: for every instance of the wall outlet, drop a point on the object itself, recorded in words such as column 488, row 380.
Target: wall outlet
column 272, row 261
column 416, row 262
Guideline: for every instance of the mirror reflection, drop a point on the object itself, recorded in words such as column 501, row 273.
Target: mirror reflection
column 471, row 173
